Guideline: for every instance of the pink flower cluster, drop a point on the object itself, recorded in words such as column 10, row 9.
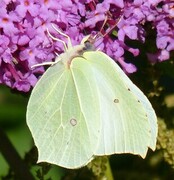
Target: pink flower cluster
column 24, row 40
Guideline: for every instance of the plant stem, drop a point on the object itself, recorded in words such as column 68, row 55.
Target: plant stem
column 108, row 172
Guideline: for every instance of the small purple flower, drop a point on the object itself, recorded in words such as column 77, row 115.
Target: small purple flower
column 159, row 56
column 7, row 22
column 97, row 15
column 27, row 6
column 128, row 30
column 127, row 67
column 114, row 50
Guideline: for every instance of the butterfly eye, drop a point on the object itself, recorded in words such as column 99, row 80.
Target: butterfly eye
column 88, row 46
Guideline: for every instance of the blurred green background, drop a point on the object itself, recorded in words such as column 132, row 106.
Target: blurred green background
column 13, row 123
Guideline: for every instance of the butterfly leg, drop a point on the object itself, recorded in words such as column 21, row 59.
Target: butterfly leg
column 60, row 32
column 56, row 39
column 63, row 34
column 46, row 63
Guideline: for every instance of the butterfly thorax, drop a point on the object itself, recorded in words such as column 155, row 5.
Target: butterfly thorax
column 75, row 51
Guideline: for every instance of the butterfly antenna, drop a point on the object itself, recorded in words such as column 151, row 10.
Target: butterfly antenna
column 118, row 20
column 63, row 34
column 110, row 30
column 103, row 25
column 99, row 34
column 56, row 39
